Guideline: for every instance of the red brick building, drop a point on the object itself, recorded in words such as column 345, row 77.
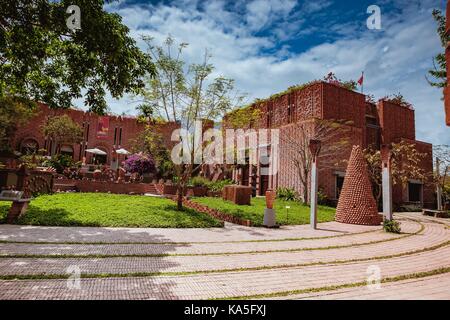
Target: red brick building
column 369, row 124
column 107, row 133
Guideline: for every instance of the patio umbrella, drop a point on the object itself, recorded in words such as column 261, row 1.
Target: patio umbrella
column 96, row 151
column 122, row 151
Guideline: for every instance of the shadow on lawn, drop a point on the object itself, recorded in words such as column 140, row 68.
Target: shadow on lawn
column 52, row 217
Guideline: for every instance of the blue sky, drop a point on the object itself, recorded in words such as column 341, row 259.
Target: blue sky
column 269, row 45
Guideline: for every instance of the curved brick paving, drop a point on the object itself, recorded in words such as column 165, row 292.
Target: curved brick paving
column 230, row 232
column 433, row 287
column 199, row 248
column 434, row 255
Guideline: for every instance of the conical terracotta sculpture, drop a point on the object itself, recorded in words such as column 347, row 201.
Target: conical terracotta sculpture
column 356, row 203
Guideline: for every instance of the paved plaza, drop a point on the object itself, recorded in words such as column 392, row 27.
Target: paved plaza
column 334, row 262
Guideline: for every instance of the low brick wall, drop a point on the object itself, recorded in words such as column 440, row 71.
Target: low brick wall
column 107, row 186
column 170, row 189
column 240, row 195
column 215, row 213
column 38, row 181
column 167, row 189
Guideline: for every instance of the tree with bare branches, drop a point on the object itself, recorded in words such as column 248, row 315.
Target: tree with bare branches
column 406, row 165
column 442, row 172
column 186, row 94
column 334, row 139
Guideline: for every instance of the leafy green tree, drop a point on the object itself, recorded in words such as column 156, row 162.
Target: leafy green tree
column 439, row 71
column 145, row 111
column 151, row 141
column 243, row 117
column 14, row 112
column 62, row 129
column 41, row 59
column 185, row 94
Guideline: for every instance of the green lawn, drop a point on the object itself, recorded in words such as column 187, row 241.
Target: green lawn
column 297, row 214
column 109, row 210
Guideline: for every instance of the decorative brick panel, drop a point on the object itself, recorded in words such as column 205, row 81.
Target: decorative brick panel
column 343, row 104
column 356, row 204
column 396, row 122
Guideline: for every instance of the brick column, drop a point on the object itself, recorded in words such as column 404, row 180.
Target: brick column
column 19, row 208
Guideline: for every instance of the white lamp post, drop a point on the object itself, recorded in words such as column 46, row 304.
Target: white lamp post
column 314, row 148
column 386, row 174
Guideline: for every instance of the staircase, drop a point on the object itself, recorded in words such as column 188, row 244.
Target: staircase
column 64, row 187
column 152, row 189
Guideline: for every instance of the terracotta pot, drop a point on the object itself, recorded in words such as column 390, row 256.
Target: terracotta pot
column 270, row 198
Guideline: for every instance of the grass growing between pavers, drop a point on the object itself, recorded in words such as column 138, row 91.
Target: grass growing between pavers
column 409, row 276
column 199, row 272
column 109, row 210
column 297, row 214
column 102, row 256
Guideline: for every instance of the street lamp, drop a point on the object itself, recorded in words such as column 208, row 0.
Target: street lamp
column 314, row 148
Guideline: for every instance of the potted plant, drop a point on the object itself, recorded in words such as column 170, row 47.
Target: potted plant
column 198, row 186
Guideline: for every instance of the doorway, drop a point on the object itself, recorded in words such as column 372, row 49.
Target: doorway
column 415, row 192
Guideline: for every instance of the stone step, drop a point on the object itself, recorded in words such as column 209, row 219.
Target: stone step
column 64, row 187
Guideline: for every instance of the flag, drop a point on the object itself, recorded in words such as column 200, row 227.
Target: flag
column 361, row 80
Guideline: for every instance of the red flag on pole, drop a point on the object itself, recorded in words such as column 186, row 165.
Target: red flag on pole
column 361, row 80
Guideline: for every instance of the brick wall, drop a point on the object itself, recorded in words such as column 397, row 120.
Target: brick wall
column 342, row 104
column 396, row 122
column 371, row 124
column 106, row 186
column 131, row 128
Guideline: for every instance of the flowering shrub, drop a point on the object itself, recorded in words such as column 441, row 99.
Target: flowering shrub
column 140, row 163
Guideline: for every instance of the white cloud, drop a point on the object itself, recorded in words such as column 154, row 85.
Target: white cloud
column 395, row 59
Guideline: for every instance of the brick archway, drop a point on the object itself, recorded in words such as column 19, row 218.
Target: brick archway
column 28, row 145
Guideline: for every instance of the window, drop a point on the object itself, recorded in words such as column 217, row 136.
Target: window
column 120, row 136
column 100, row 158
column 67, row 150
column 414, row 192
column 371, row 121
column 339, row 184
